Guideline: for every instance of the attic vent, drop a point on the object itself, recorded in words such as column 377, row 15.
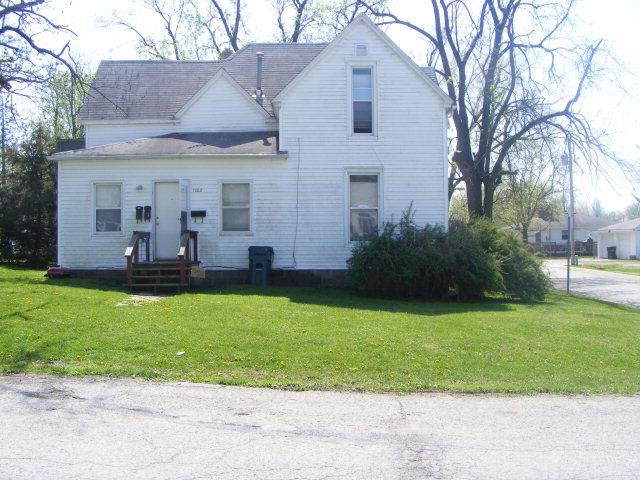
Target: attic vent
column 361, row 50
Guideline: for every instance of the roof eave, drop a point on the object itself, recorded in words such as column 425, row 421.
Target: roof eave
column 171, row 156
column 112, row 121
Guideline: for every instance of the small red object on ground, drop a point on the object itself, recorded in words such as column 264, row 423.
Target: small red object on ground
column 58, row 272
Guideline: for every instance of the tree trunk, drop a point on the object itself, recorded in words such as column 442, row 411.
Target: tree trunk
column 473, row 186
column 487, row 204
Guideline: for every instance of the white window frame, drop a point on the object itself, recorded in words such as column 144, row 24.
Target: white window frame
column 347, row 203
column 95, row 232
column 226, row 233
column 360, row 63
column 360, row 46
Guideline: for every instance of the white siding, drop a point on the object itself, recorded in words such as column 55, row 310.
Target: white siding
column 273, row 210
column 408, row 151
column 627, row 243
column 221, row 108
column 408, row 147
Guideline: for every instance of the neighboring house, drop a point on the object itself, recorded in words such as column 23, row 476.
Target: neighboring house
column 625, row 236
column 307, row 148
column 557, row 232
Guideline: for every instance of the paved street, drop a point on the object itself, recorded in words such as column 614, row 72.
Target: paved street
column 54, row 427
column 609, row 286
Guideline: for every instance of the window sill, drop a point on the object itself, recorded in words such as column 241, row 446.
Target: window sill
column 106, row 234
column 235, row 234
column 365, row 137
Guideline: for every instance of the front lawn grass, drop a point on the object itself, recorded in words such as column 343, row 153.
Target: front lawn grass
column 614, row 267
column 305, row 338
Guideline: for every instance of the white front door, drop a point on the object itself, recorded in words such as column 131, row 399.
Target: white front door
column 167, row 213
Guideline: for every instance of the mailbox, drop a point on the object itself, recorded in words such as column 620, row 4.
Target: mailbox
column 198, row 215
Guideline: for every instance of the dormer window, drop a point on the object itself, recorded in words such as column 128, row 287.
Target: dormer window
column 362, row 99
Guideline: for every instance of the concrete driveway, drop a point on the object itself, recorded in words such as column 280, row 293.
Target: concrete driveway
column 53, row 427
column 609, row 286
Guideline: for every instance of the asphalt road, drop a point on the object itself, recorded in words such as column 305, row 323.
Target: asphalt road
column 52, row 427
column 610, row 286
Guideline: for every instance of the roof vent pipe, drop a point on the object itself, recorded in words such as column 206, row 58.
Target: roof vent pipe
column 260, row 55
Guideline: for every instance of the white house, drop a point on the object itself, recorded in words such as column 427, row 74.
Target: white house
column 625, row 236
column 306, row 148
column 585, row 227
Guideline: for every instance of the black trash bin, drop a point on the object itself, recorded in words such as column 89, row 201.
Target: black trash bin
column 260, row 259
column 611, row 253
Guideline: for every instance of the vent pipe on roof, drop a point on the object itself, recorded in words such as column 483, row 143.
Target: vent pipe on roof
column 260, row 55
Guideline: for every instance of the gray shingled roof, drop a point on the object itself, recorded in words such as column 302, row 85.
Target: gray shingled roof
column 153, row 89
column 184, row 144
column 629, row 225
column 581, row 221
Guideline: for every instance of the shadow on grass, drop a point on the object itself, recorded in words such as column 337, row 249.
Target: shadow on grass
column 332, row 297
column 317, row 296
column 22, row 357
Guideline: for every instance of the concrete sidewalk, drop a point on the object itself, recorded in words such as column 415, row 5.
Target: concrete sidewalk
column 609, row 286
column 55, row 427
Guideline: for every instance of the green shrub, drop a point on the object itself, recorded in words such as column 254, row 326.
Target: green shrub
column 407, row 261
column 463, row 263
column 521, row 270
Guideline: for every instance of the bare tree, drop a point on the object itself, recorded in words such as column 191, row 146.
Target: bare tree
column 316, row 20
column 301, row 15
column 336, row 15
column 191, row 29
column 23, row 57
column 510, row 72
column 230, row 16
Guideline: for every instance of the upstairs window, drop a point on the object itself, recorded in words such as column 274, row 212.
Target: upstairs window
column 236, row 207
column 362, row 99
column 108, row 207
column 363, row 206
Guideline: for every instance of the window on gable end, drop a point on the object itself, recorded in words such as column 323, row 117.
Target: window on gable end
column 362, row 99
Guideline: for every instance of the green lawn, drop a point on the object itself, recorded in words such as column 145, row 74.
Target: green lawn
column 304, row 338
column 613, row 266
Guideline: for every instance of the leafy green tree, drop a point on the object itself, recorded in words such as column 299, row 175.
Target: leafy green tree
column 633, row 211
column 28, row 203
column 60, row 100
column 531, row 191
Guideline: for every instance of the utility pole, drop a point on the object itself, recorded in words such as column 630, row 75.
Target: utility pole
column 2, row 147
column 567, row 159
column 572, row 206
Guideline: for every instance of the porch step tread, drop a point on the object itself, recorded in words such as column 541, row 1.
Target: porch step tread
column 155, row 285
column 176, row 275
column 155, row 279
column 150, row 266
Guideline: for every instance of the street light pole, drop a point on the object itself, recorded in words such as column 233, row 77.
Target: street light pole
column 572, row 207
column 571, row 214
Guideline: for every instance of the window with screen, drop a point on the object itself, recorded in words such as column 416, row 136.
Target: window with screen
column 236, row 207
column 362, row 99
column 108, row 207
column 363, row 206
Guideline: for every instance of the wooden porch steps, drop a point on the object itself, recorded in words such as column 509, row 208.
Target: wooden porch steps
column 159, row 275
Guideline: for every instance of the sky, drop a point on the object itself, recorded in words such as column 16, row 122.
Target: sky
column 614, row 105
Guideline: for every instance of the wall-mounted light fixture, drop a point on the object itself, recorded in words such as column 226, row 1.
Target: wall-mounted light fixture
column 139, row 187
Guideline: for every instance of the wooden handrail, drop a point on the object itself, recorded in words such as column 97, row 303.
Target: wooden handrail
column 186, row 252
column 132, row 252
